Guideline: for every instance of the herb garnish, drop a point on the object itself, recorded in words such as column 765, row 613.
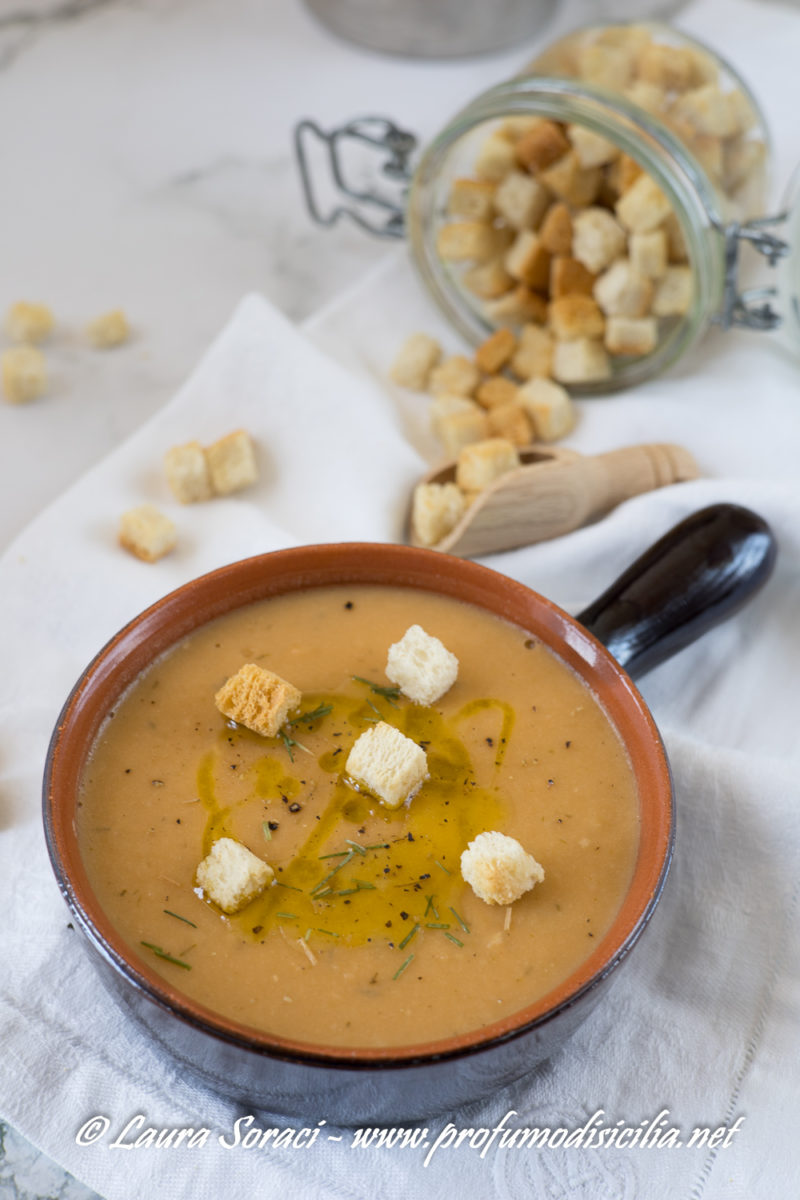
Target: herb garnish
column 284, row 733
column 178, row 917
column 167, row 957
column 402, row 945
column 388, row 693
column 461, row 922
column 402, row 968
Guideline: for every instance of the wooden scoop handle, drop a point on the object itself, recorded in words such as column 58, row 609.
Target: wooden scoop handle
column 547, row 499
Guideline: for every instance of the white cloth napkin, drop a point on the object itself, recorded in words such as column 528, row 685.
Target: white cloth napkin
column 701, row 1029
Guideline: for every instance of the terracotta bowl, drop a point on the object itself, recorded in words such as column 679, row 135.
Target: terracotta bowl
column 374, row 1085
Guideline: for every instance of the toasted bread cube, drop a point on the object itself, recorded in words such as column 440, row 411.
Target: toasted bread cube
column 514, row 128
column 186, row 468
column 643, row 206
column 648, row 253
column 511, row 421
column 147, row 532
column 521, row 200
column 710, row 110
column 569, row 277
column 648, row 96
column 704, row 67
column 498, row 869
column 622, row 292
column 576, row 185
column 455, row 376
column 622, row 174
column 631, row 335
column 415, row 360
column 232, row 463
column 495, row 158
column 436, row 508
column 742, row 112
column 471, row 198
column 708, row 150
column 232, row 876
column 673, row 297
column 528, row 261
column 458, row 426
column 481, row 463
column 520, row 306
column 667, row 67
column 469, row 241
column 258, row 699
column 388, row 764
column 543, row 145
column 633, row 38
column 31, row 323
column 597, row 238
column 677, row 251
column 576, row 317
column 109, row 330
column 497, row 390
column 555, row 231
column 495, row 352
column 534, row 354
column 549, row 408
column 421, row 666
column 607, row 66
column 24, row 374
column 582, row 361
column 489, row 280
column 741, row 160
column 592, row 149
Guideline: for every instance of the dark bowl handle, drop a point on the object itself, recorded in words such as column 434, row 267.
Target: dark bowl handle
column 694, row 577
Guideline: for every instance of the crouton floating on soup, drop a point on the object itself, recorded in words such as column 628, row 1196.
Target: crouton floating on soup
column 498, row 869
column 258, row 699
column 421, row 666
column 388, row 764
column 232, row 876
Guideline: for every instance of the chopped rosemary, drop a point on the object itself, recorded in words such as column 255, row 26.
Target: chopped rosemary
column 375, row 709
column 335, row 854
column 402, row 945
column 321, row 710
column 437, row 925
column 267, row 832
column 388, row 693
column 378, row 846
column 347, row 892
column 358, row 849
column 329, row 932
column 289, row 741
column 461, row 922
column 167, row 957
column 453, row 938
column 288, row 916
column 347, row 859
column 178, row 917
column 363, row 886
column 290, row 886
column 444, row 868
column 402, row 968
column 430, row 907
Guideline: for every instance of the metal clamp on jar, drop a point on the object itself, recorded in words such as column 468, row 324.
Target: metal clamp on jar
column 627, row 165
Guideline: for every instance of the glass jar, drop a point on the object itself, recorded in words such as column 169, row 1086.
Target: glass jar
column 661, row 104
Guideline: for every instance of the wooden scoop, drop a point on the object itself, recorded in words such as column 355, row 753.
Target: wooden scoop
column 555, row 491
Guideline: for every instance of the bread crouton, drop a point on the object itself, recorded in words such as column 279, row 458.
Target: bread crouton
column 436, row 508
column 520, row 306
column 232, row 462
column 471, row 198
column 421, row 666
column 470, row 241
column 387, row 764
column 555, row 230
column 528, row 261
column 459, row 425
column 521, row 200
column 582, row 361
column 455, row 376
column 648, row 253
column 231, row 875
column 26, row 322
column 147, row 532
column 674, row 292
column 488, row 280
column 186, row 468
column 667, row 67
column 572, row 183
column 597, row 239
column 541, row 146
column 569, row 277
column 576, row 317
column 415, row 360
column 496, row 158
column 622, row 292
column 258, row 699
column 481, row 463
column 631, row 335
column 511, row 421
column 643, row 206
column 592, row 149
column 495, row 352
column 534, row 354
column 24, row 374
column 498, row 869
column 549, row 408
column 710, row 110
column 497, row 390
column 109, row 330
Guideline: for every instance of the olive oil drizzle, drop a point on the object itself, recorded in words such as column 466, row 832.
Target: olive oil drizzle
column 372, row 887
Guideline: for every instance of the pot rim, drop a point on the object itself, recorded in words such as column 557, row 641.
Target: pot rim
column 200, row 600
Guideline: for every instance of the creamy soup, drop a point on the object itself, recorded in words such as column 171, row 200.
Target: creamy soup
column 368, row 935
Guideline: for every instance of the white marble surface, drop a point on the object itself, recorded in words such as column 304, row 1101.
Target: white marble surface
column 147, row 164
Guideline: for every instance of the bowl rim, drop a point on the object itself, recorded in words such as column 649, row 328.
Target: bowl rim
column 169, row 619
